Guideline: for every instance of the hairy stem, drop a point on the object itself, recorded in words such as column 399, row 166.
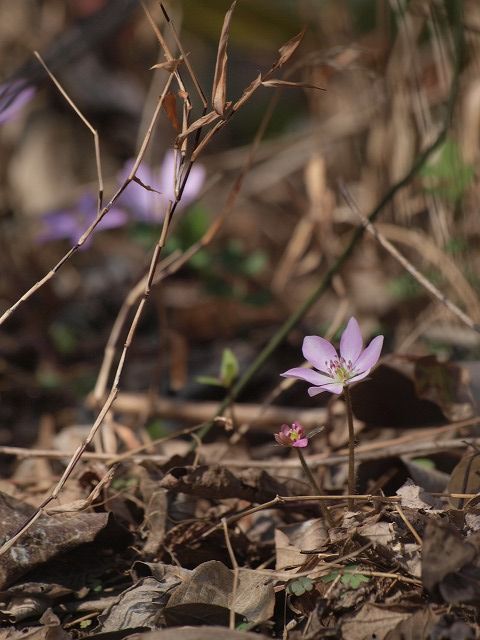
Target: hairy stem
column 351, row 448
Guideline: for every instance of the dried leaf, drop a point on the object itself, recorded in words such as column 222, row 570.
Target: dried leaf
column 287, row 83
column 216, row 482
column 208, row 118
column 287, row 50
column 204, row 633
column 169, row 105
column 301, row 536
column 444, row 552
column 446, row 384
column 219, row 89
column 209, row 592
column 414, row 497
column 63, row 532
column 169, row 65
column 372, row 621
column 465, row 478
column 416, row 627
column 139, row 606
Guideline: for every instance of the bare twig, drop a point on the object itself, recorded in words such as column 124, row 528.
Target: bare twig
column 234, row 563
column 93, row 131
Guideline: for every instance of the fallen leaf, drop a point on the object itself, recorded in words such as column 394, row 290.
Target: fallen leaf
column 449, row 564
column 300, row 536
column 208, row 591
column 414, row 497
column 204, row 633
column 372, row 621
column 465, row 478
column 139, row 606
column 216, row 482
column 415, row 627
column 47, row 538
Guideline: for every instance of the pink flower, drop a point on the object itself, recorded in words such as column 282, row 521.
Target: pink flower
column 293, row 436
column 353, row 364
column 149, row 206
column 13, row 97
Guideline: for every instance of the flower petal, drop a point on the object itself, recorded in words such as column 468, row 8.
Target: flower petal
column 335, row 388
column 303, row 442
column 318, row 351
column 351, row 343
column 370, row 356
column 360, row 376
column 303, row 373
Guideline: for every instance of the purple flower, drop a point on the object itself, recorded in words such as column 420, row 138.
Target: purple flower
column 150, row 206
column 11, row 102
column 293, row 436
column 353, row 364
column 70, row 224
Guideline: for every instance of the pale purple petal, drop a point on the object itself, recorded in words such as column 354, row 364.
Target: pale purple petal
column 17, row 103
column 360, row 376
column 370, row 356
column 307, row 374
column 319, row 352
column 145, row 205
column 335, row 388
column 167, row 175
column 113, row 219
column 303, row 442
column 351, row 343
column 194, row 183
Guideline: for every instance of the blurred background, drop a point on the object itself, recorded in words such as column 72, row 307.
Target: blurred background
column 388, row 72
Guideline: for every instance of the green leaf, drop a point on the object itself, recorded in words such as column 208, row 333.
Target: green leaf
column 254, row 263
column 157, row 429
column 229, row 368
column 447, row 174
column 348, row 579
column 426, row 463
column 210, row 380
column 84, row 624
column 300, row 586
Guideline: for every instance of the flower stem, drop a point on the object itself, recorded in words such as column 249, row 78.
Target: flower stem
column 351, row 448
column 315, row 487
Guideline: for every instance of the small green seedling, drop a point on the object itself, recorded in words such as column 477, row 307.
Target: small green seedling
column 348, row 578
column 229, row 369
column 300, row 586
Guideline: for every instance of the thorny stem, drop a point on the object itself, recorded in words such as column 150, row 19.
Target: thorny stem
column 315, row 487
column 351, row 447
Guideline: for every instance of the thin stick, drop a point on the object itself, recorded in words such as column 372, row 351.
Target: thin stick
column 234, row 562
column 92, row 130
column 274, row 463
column 351, row 447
